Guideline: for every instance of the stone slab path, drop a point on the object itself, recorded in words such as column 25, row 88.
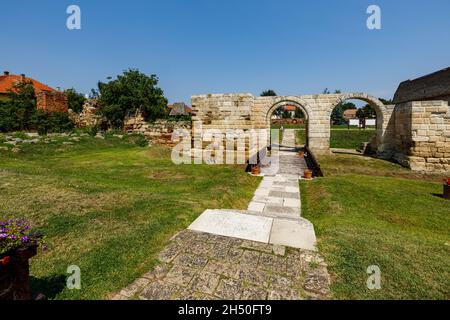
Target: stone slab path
column 265, row 252
column 203, row 266
column 273, row 215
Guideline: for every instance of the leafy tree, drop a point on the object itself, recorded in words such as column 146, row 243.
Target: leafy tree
column 130, row 92
column 268, row 93
column 21, row 104
column 366, row 112
column 286, row 114
column 337, row 115
column 75, row 100
column 386, row 102
column 299, row 114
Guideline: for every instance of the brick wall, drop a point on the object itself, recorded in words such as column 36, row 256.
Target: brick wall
column 52, row 101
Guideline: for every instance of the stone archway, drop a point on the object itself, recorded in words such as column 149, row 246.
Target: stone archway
column 246, row 112
column 298, row 104
column 379, row 107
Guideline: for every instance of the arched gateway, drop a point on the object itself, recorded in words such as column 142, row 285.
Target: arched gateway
column 244, row 112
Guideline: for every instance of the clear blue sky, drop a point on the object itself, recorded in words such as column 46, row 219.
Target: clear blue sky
column 207, row 46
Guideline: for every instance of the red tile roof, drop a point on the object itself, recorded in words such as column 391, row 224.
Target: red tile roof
column 7, row 82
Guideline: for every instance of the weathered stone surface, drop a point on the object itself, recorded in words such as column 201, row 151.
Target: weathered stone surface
column 247, row 270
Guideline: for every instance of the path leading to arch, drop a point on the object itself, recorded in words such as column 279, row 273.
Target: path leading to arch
column 265, row 252
column 274, row 214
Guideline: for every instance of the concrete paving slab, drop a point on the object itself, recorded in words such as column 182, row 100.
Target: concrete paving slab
column 234, row 224
column 256, row 206
column 292, row 203
column 296, row 234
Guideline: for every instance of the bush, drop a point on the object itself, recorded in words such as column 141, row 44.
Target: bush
column 91, row 130
column 54, row 122
column 137, row 139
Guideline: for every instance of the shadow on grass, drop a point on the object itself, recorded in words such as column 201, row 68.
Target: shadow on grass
column 438, row 195
column 49, row 286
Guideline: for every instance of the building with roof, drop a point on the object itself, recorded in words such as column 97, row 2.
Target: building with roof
column 47, row 98
column 179, row 109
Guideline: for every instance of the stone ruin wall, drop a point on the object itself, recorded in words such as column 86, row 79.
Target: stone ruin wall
column 88, row 117
column 416, row 134
column 158, row 132
column 422, row 135
column 244, row 112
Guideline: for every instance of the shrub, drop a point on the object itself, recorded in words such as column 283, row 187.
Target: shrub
column 137, row 139
column 57, row 122
column 91, row 130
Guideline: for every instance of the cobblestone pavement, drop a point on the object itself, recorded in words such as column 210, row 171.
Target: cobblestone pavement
column 202, row 266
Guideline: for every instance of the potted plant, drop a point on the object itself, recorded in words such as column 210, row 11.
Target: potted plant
column 17, row 245
column 256, row 170
column 447, row 188
column 307, row 174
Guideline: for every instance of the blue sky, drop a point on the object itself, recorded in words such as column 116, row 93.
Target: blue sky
column 214, row 46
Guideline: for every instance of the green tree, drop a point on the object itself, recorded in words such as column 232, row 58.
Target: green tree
column 130, row 92
column 75, row 100
column 298, row 113
column 367, row 112
column 337, row 115
column 268, row 93
column 21, row 105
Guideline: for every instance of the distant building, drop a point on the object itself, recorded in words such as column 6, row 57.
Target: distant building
column 434, row 86
column 47, row 98
column 179, row 109
column 350, row 114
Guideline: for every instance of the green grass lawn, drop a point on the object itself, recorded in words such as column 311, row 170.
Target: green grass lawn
column 341, row 136
column 371, row 212
column 108, row 207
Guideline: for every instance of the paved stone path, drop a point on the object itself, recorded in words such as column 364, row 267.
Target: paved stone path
column 202, row 266
column 265, row 252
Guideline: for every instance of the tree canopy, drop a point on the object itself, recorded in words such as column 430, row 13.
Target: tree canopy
column 75, row 100
column 268, row 93
column 132, row 91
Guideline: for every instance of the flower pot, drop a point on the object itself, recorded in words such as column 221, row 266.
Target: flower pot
column 14, row 274
column 256, row 170
column 307, row 174
column 446, row 191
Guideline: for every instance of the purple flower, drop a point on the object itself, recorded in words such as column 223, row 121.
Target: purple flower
column 12, row 236
column 3, row 235
column 25, row 239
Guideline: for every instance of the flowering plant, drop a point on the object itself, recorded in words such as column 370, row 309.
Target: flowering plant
column 15, row 233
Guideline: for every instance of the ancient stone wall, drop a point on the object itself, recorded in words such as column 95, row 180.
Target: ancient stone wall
column 416, row 134
column 88, row 116
column 52, row 101
column 158, row 132
column 423, row 135
column 225, row 112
